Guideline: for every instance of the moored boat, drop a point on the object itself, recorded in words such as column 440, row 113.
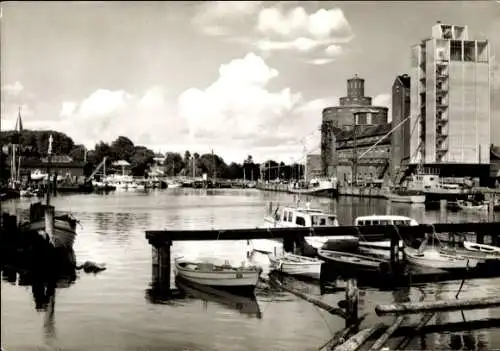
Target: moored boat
column 433, row 258
column 243, row 278
column 298, row 216
column 490, row 249
column 316, row 186
column 466, row 205
column 246, row 304
column 406, row 196
column 381, row 248
column 296, row 265
column 349, row 262
column 64, row 226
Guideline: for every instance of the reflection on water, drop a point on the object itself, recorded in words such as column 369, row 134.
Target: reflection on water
column 43, row 291
column 109, row 312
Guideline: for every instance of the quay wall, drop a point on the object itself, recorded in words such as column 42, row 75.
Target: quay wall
column 362, row 191
column 273, row 187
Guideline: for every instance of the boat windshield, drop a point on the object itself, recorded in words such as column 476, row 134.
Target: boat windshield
column 326, row 221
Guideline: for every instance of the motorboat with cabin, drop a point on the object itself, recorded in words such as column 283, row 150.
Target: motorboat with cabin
column 381, row 248
column 298, row 216
column 316, row 186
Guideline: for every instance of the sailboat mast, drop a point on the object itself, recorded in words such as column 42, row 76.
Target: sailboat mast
column 49, row 154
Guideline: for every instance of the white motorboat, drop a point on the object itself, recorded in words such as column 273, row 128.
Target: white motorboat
column 381, row 248
column 296, row 265
column 297, row 216
column 433, row 258
column 221, row 276
column 38, row 175
column 316, row 186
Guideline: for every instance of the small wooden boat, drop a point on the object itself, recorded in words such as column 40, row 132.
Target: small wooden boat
column 349, row 261
column 490, row 249
column 434, row 258
column 296, row 265
column 466, row 205
column 246, row 304
column 221, row 276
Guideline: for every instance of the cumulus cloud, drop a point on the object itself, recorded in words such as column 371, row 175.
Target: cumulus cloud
column 318, row 34
column 105, row 115
column 219, row 18
column 239, row 114
column 12, row 89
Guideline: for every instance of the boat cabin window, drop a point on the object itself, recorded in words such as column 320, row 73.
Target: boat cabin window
column 322, row 221
column 300, row 221
column 402, row 222
column 375, row 222
column 331, row 221
column 289, row 216
column 285, row 215
column 385, row 222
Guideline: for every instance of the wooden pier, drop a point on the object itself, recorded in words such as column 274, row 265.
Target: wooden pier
column 161, row 241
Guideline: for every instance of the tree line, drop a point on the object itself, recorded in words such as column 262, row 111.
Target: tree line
column 34, row 144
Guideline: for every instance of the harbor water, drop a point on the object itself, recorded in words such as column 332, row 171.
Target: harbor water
column 113, row 311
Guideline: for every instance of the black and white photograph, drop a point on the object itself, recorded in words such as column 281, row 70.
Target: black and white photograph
column 250, row 175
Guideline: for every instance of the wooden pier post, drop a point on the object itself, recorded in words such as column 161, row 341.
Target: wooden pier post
column 351, row 297
column 289, row 244
column 161, row 269
column 491, row 208
column 395, row 238
column 443, row 211
column 388, row 207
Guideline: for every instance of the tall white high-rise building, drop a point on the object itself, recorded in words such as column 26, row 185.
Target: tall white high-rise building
column 450, row 98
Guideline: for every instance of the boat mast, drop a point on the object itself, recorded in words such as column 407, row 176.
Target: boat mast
column 49, row 153
column 305, row 165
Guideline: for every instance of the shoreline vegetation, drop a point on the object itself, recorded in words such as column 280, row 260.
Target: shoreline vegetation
column 32, row 144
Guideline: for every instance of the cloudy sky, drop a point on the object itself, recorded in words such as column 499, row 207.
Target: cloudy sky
column 240, row 77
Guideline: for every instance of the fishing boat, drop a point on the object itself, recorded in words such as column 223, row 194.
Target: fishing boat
column 406, row 196
column 349, row 262
column 245, row 304
column 381, row 248
column 243, row 278
column 466, row 205
column 296, row 265
column 316, row 186
column 60, row 231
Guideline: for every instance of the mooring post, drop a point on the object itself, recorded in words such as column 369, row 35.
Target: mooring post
column 289, row 244
column 443, row 211
column 161, row 268
column 394, row 250
column 388, row 206
column 351, row 297
column 480, row 237
column 491, row 208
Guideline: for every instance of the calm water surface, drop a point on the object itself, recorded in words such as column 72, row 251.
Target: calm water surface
column 111, row 310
